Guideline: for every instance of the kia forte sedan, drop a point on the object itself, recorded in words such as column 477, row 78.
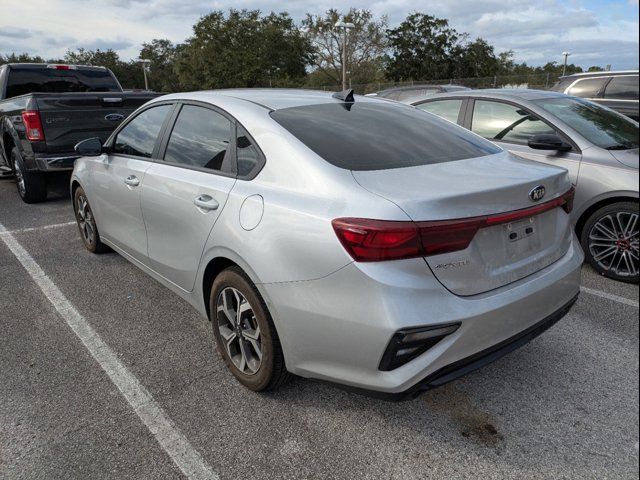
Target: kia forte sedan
column 599, row 148
column 351, row 240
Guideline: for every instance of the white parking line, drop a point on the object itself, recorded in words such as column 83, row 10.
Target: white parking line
column 34, row 229
column 610, row 296
column 183, row 454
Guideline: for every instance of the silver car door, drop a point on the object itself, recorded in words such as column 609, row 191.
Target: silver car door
column 184, row 193
column 118, row 178
column 511, row 126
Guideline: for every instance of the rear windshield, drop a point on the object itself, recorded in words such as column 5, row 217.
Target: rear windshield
column 372, row 136
column 50, row 80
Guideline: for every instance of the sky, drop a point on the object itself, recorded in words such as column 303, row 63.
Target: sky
column 595, row 32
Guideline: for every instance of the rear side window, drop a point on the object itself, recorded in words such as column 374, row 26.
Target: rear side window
column 248, row 155
column 501, row 121
column 622, row 88
column 49, row 80
column 587, row 88
column 378, row 136
column 447, row 109
column 139, row 136
column 200, row 139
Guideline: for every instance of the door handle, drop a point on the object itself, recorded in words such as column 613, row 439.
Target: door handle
column 132, row 181
column 206, row 202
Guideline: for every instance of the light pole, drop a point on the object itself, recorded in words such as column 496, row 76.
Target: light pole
column 145, row 66
column 564, row 68
column 345, row 27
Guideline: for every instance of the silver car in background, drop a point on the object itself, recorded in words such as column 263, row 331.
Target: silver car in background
column 599, row 148
column 345, row 239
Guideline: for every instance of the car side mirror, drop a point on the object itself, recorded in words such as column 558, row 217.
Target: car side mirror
column 91, row 147
column 547, row 141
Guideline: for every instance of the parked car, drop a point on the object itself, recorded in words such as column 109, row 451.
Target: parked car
column 598, row 147
column 406, row 94
column 46, row 109
column 616, row 90
column 346, row 239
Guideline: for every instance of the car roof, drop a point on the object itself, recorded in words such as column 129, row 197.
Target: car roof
column 606, row 73
column 45, row 65
column 269, row 98
column 505, row 93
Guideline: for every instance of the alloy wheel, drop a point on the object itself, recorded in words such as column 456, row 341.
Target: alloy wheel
column 85, row 220
column 239, row 330
column 613, row 243
column 20, row 181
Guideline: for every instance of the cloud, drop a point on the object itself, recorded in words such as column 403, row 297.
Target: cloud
column 536, row 30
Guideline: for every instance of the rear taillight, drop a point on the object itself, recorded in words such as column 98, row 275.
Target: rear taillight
column 368, row 240
column 33, row 125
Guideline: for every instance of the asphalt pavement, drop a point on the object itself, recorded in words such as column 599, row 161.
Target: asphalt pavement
column 563, row 406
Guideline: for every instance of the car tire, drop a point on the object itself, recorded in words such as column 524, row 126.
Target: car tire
column 32, row 186
column 610, row 241
column 247, row 342
column 87, row 223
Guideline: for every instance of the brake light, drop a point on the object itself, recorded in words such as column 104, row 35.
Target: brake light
column 33, row 125
column 368, row 240
column 62, row 67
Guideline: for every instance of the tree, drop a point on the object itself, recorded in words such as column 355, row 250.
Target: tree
column 476, row 59
column 162, row 54
column 20, row 58
column 422, row 47
column 242, row 49
column 128, row 73
column 595, row 68
column 366, row 45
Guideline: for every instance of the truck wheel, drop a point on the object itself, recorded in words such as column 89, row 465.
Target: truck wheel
column 32, row 186
column 610, row 241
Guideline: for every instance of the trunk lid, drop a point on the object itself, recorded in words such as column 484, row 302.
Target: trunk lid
column 68, row 118
column 498, row 254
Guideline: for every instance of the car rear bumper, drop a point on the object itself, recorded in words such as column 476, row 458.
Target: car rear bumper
column 337, row 328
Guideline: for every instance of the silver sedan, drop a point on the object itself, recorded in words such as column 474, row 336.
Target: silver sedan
column 598, row 146
column 344, row 239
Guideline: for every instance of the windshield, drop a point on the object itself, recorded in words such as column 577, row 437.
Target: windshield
column 378, row 136
column 601, row 126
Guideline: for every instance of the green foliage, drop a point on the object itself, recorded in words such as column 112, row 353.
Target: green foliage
column 366, row 45
column 242, row 49
column 162, row 54
column 128, row 73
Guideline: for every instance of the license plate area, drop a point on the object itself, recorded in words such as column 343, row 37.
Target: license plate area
column 517, row 231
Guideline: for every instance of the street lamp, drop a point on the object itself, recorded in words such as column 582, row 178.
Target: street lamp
column 145, row 68
column 345, row 27
column 564, row 68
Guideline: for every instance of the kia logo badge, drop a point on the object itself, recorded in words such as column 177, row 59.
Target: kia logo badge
column 537, row 193
column 114, row 117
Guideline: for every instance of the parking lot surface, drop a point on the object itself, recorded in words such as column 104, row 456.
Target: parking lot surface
column 563, row 406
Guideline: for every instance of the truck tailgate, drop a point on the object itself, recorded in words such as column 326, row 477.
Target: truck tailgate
column 68, row 118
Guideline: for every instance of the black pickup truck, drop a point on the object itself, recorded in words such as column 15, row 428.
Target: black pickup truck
column 46, row 109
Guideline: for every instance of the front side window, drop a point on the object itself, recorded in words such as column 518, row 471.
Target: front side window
column 622, row 88
column 587, row 88
column 139, row 136
column 447, row 109
column 379, row 135
column 509, row 123
column 200, row 139
column 601, row 126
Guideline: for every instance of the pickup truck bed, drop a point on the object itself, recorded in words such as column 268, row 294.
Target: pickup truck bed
column 38, row 130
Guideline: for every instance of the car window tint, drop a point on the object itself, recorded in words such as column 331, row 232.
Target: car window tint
column 139, row 136
column 622, row 88
column 379, row 135
column 200, row 138
column 587, row 88
column 447, row 109
column 501, row 121
column 247, row 154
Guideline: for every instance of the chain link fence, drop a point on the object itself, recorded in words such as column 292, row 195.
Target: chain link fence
column 541, row 81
